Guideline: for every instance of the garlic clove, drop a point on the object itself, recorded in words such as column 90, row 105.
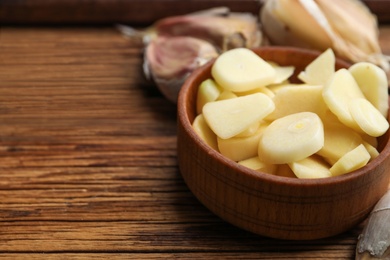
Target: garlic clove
column 352, row 29
column 219, row 26
column 275, row 29
column 296, row 21
column 169, row 60
column 356, row 29
column 348, row 27
column 224, row 29
column 374, row 241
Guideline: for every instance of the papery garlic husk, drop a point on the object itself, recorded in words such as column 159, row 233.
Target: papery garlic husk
column 346, row 26
column 169, row 61
column 374, row 242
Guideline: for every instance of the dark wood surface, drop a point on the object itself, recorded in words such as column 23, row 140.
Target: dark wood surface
column 108, row 11
column 88, row 160
column 139, row 12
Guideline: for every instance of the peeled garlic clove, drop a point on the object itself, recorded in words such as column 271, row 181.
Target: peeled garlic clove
column 224, row 29
column 169, row 60
column 374, row 242
column 348, row 27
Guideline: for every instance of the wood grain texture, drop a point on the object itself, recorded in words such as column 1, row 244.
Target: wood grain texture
column 88, row 160
column 139, row 12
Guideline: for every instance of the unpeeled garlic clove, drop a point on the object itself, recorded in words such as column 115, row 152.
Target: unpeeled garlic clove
column 219, row 26
column 224, row 29
column 169, row 60
column 374, row 242
column 348, row 27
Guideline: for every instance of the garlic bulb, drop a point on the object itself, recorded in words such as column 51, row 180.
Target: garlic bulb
column 374, row 242
column 177, row 45
column 348, row 27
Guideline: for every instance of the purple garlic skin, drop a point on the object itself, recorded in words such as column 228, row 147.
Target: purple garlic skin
column 169, row 60
column 233, row 30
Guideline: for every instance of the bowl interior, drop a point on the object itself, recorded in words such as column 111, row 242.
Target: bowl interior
column 284, row 56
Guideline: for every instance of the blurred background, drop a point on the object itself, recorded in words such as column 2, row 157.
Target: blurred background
column 135, row 12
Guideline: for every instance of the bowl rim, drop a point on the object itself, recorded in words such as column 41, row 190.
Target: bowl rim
column 258, row 175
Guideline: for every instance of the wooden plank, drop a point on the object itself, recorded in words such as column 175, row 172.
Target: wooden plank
column 135, row 12
column 174, row 255
column 163, row 238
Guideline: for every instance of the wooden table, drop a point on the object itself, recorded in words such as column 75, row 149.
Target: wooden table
column 88, row 159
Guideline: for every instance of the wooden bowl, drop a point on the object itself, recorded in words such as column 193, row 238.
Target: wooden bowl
column 270, row 205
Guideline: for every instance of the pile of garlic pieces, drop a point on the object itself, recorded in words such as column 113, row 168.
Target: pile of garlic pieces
column 325, row 126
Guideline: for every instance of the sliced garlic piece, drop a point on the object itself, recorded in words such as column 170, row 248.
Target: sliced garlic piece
column 338, row 92
column 369, row 119
column 205, row 133
column 256, row 164
column 311, row 167
column 339, row 139
column 241, row 70
column 208, row 91
column 240, row 148
column 290, row 100
column 291, row 138
column 230, row 117
column 351, row 161
column 283, row 73
column 320, row 70
column 371, row 150
column 373, row 82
